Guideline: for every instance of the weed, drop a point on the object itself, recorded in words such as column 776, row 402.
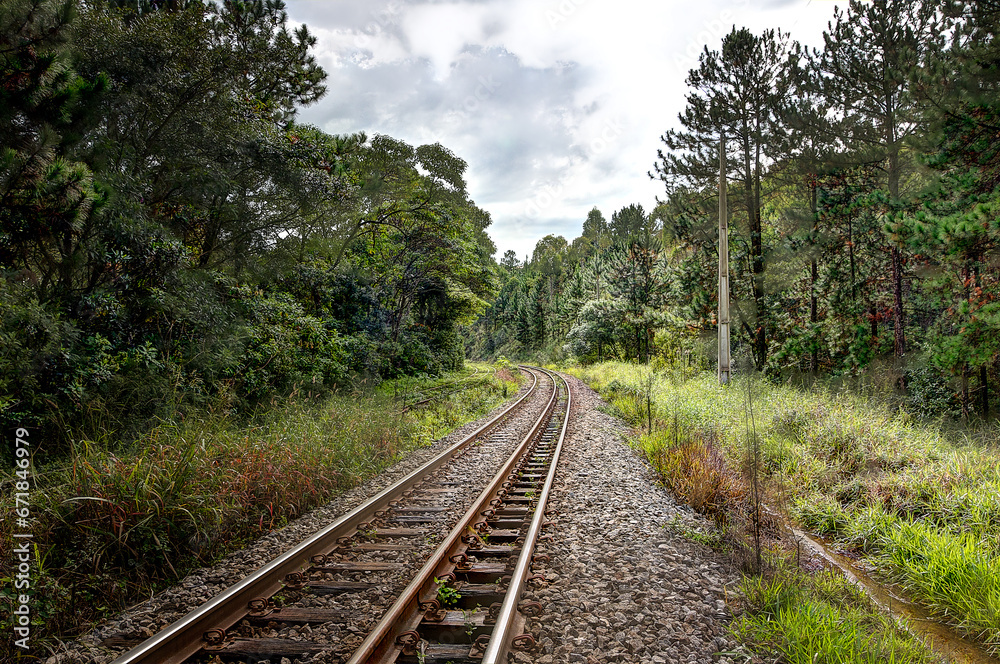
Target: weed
column 710, row 538
column 469, row 621
column 447, row 595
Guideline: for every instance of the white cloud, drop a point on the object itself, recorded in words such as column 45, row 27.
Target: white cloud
column 557, row 105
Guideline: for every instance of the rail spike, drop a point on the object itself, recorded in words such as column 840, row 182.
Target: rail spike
column 478, row 648
column 409, row 642
column 215, row 639
column 530, row 609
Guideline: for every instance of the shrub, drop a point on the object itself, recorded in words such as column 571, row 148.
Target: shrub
column 696, row 472
column 286, row 348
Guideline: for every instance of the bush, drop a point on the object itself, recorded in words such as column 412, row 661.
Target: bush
column 928, row 394
column 286, row 348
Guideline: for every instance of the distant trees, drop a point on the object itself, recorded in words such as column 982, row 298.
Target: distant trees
column 864, row 177
column 600, row 296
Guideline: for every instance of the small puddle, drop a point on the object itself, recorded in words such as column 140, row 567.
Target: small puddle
column 941, row 638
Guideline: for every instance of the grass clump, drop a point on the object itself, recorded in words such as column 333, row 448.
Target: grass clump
column 953, row 573
column 112, row 525
column 822, row 618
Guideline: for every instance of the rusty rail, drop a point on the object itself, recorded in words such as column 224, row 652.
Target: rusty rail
column 397, row 632
column 509, row 623
column 184, row 638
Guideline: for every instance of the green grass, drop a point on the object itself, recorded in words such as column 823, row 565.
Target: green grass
column 114, row 525
column 823, row 618
column 920, row 498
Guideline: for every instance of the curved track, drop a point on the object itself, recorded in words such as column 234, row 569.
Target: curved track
column 406, row 554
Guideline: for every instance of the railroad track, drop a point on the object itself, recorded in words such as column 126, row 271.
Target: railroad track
column 429, row 570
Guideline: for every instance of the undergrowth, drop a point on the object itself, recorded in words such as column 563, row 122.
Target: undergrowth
column 113, row 525
column 920, row 499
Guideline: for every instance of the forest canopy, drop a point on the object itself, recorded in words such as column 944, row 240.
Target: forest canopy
column 171, row 238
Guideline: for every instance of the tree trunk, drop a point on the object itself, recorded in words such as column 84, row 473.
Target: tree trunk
column 757, row 249
column 899, row 338
column 984, row 392
column 965, row 392
column 850, row 253
column 898, row 321
column 813, row 277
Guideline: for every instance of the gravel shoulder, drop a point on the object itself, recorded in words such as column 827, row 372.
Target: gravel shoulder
column 623, row 586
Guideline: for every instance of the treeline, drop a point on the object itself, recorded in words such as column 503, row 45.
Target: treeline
column 862, row 182
column 172, row 239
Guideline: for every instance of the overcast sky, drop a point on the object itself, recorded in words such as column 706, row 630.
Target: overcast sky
column 556, row 105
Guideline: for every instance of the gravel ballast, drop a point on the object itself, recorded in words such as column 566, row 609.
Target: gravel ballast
column 623, row 586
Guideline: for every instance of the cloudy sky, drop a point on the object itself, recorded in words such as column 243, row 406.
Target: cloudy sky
column 556, row 105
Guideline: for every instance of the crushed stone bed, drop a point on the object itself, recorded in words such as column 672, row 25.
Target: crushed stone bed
column 623, row 587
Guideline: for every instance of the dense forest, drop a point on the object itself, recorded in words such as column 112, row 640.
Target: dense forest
column 862, row 185
column 172, row 239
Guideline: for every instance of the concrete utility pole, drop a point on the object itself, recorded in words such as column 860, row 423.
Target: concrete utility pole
column 723, row 267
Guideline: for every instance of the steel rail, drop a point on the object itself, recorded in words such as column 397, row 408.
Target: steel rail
column 184, row 638
column 404, row 615
column 508, row 618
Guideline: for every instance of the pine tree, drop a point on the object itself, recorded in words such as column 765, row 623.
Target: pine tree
column 738, row 91
column 46, row 196
column 866, row 62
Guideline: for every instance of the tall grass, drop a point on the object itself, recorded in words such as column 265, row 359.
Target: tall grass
column 113, row 525
column 917, row 496
column 821, row 619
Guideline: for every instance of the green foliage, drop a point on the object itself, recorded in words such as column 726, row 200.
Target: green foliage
column 447, row 595
column 286, row 348
column 171, row 240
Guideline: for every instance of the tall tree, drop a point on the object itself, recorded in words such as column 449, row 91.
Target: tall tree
column 740, row 91
column 47, row 196
column 595, row 228
column 869, row 53
column 628, row 223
